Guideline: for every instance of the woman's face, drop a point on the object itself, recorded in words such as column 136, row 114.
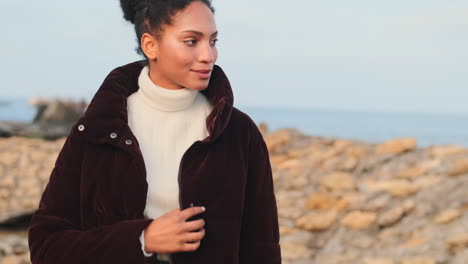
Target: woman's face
column 186, row 46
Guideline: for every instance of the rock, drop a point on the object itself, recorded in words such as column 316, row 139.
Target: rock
column 6, row 130
column 59, row 112
column 294, row 251
column 329, row 202
column 19, row 249
column 24, row 161
column 348, row 200
column 362, row 242
column 461, row 257
column 338, row 202
column 277, row 139
column 9, row 159
column 263, row 127
column 447, row 216
column 343, row 203
column 358, row 219
column 12, row 259
column 377, row 203
column 338, row 181
column 391, row 216
column 408, row 206
column 415, row 240
column 426, row 181
column 411, row 172
column 458, row 167
column 396, row 146
column 277, row 159
column 50, row 131
column 457, row 242
column 321, row 201
column 285, row 230
column 350, row 257
column 349, row 164
column 401, row 188
column 446, row 150
column 340, row 163
column 418, row 260
column 4, row 193
column 291, row 213
column 357, row 151
column 5, row 248
column 397, row 188
column 377, row 261
column 419, row 169
column 317, row 220
column 290, row 164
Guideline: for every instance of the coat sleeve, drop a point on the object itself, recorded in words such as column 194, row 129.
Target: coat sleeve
column 55, row 235
column 259, row 242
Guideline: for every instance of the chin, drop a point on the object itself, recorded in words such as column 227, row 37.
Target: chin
column 198, row 87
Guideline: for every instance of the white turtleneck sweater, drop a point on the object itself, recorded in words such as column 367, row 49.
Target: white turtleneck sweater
column 166, row 123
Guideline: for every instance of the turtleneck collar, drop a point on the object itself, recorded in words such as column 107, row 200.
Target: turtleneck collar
column 107, row 111
column 161, row 98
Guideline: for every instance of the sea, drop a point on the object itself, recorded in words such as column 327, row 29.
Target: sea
column 371, row 126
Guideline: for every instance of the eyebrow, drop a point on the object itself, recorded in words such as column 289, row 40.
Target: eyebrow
column 198, row 32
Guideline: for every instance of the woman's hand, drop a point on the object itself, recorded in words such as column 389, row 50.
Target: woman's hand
column 171, row 233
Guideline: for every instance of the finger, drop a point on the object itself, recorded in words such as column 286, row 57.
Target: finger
column 193, row 225
column 189, row 212
column 174, row 211
column 190, row 246
column 193, row 236
column 171, row 213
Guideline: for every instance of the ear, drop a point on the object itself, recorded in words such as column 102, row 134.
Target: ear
column 150, row 46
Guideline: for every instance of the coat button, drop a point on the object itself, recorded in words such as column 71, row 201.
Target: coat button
column 113, row 135
column 81, row 127
column 128, row 142
column 191, row 204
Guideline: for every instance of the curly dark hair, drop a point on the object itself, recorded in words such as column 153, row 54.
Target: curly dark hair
column 149, row 16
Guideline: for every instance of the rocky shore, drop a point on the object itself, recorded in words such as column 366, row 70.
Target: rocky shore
column 339, row 201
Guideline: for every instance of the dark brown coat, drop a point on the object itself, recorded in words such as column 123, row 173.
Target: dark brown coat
column 92, row 208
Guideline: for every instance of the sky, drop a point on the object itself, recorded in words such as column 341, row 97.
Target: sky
column 396, row 56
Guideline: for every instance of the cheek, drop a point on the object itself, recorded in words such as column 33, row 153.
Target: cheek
column 182, row 54
column 181, row 60
column 177, row 55
column 182, row 64
column 186, row 58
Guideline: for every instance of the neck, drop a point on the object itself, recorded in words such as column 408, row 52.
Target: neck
column 154, row 75
column 162, row 98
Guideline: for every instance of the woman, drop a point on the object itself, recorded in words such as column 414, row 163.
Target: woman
column 161, row 168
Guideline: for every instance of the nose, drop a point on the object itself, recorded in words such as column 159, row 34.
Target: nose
column 208, row 54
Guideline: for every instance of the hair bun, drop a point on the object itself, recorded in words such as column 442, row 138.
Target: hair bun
column 130, row 7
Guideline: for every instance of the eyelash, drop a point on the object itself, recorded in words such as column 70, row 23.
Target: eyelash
column 215, row 40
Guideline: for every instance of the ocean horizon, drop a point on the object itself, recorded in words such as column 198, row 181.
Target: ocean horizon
column 370, row 126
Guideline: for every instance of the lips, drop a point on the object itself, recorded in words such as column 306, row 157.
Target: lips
column 203, row 74
column 203, row 71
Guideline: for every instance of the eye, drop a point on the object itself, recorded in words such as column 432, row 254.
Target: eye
column 214, row 41
column 191, row 42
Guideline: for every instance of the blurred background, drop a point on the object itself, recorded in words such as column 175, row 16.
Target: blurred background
column 362, row 69
column 362, row 105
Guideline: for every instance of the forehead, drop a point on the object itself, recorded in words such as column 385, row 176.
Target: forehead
column 196, row 16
